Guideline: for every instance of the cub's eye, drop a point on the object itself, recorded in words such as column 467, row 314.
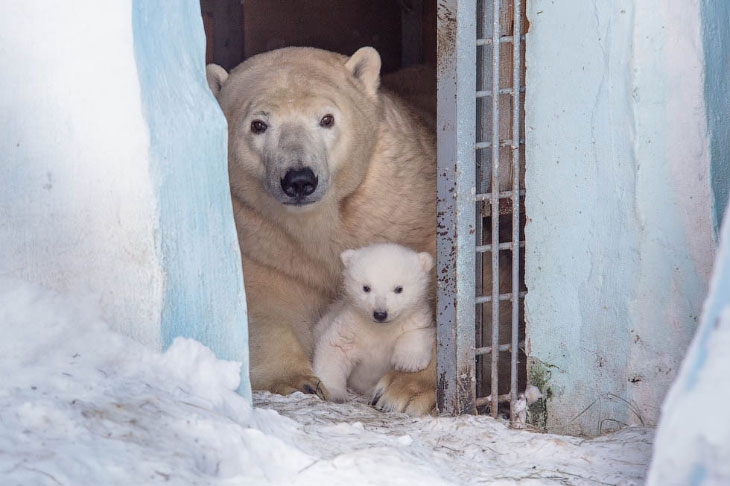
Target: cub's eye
column 327, row 121
column 398, row 289
column 366, row 288
column 258, row 127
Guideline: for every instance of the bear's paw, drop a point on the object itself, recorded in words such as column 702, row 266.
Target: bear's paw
column 410, row 393
column 304, row 383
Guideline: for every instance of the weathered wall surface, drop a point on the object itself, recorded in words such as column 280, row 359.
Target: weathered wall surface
column 620, row 205
column 693, row 439
column 716, row 43
column 114, row 172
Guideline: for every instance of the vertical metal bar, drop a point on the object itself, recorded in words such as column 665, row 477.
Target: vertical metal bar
column 480, row 160
column 456, row 216
column 496, row 33
column 479, row 308
column 516, row 104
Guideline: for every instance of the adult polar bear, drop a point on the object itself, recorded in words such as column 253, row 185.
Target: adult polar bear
column 320, row 161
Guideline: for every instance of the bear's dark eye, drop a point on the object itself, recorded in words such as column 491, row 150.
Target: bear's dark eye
column 327, row 121
column 366, row 288
column 258, row 127
column 398, row 289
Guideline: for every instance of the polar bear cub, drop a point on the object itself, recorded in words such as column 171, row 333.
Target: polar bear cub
column 383, row 320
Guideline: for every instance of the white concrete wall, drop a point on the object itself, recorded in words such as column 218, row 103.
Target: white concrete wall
column 113, row 168
column 692, row 443
column 77, row 202
column 619, row 205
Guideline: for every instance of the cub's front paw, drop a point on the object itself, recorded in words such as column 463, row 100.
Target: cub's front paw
column 337, row 394
column 411, row 393
column 410, row 361
column 304, row 383
column 413, row 349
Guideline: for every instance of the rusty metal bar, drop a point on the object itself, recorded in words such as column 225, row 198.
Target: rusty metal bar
column 502, row 348
column 496, row 34
column 483, row 299
column 488, row 93
column 479, row 328
column 502, row 246
column 482, row 401
column 505, row 39
column 516, row 71
column 488, row 196
column 502, row 143
column 456, row 183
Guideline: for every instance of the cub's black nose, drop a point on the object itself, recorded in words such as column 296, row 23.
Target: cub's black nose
column 298, row 183
column 380, row 316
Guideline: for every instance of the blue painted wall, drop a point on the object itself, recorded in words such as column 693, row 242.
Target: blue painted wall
column 203, row 295
column 716, row 42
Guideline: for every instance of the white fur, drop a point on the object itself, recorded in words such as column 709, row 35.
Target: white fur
column 354, row 349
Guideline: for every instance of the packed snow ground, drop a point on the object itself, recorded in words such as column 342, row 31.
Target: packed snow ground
column 82, row 405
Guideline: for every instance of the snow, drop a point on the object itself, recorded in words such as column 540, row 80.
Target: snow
column 82, row 404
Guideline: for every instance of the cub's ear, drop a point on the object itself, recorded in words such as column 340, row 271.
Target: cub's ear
column 365, row 66
column 346, row 256
column 426, row 261
column 216, row 76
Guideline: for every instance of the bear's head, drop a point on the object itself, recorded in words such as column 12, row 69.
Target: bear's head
column 302, row 124
column 386, row 280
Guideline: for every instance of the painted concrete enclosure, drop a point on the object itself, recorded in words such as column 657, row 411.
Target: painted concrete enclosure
column 114, row 171
column 620, row 205
column 716, row 43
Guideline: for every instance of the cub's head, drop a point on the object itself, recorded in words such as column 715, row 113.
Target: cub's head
column 386, row 280
column 302, row 123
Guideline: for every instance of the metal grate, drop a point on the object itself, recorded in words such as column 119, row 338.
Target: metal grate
column 481, row 193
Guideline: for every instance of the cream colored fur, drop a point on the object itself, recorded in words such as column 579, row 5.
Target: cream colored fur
column 382, row 321
column 376, row 182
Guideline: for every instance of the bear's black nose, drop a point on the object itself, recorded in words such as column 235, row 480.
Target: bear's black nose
column 298, row 183
column 380, row 316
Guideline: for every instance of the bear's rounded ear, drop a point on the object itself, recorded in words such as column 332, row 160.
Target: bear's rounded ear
column 365, row 66
column 346, row 256
column 216, row 76
column 426, row 261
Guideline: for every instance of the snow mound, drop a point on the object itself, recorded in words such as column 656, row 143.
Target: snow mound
column 81, row 404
